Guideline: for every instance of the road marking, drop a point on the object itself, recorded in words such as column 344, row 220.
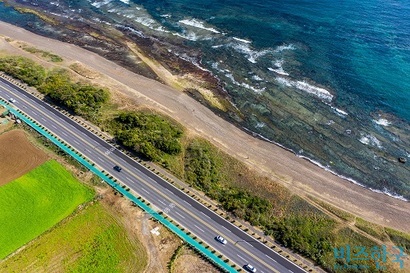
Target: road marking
column 249, row 244
column 145, row 190
column 271, row 258
column 180, row 215
column 162, row 202
column 199, row 228
column 187, row 203
column 129, row 179
column 205, row 215
column 52, row 125
column 101, row 159
column 76, row 141
column 226, row 229
column 64, row 134
column 169, row 191
column 241, row 257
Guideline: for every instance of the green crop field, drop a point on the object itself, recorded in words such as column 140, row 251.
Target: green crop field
column 35, row 202
column 94, row 241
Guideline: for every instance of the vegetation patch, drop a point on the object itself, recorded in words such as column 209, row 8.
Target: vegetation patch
column 37, row 201
column 399, row 238
column 82, row 99
column 372, row 229
column 44, row 54
column 91, row 241
column 148, row 134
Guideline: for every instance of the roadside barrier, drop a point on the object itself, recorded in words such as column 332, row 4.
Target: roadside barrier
column 204, row 250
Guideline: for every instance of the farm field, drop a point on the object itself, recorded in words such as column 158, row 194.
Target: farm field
column 91, row 241
column 17, row 156
column 36, row 201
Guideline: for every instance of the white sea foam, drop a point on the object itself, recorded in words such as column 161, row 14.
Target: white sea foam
column 125, row 1
column 257, row 78
column 304, row 86
column 284, row 81
column 327, row 168
column 260, row 125
column 284, row 47
column 338, row 111
column 188, row 36
column 317, row 91
column 369, row 139
column 279, row 69
column 134, row 31
column 242, row 40
column 382, row 122
column 243, row 84
column 251, row 55
column 99, row 4
column 198, row 24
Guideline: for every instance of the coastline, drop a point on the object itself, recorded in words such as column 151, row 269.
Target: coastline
column 298, row 174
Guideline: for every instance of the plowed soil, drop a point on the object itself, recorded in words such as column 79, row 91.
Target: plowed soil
column 17, row 156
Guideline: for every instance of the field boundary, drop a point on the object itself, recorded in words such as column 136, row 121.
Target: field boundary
column 137, row 200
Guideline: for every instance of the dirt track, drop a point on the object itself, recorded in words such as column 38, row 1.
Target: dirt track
column 17, row 156
column 299, row 175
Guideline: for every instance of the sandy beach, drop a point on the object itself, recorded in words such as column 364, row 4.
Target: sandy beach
column 299, row 175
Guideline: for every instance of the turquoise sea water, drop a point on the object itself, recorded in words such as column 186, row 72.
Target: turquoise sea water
column 328, row 79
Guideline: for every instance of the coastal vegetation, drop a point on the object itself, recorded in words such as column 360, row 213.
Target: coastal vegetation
column 305, row 226
column 148, row 134
column 37, row 201
column 44, row 54
column 82, row 99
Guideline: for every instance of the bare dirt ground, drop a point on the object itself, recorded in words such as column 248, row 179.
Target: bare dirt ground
column 299, row 175
column 189, row 262
column 17, row 155
column 160, row 247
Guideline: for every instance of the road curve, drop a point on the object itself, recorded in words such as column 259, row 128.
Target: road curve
column 192, row 215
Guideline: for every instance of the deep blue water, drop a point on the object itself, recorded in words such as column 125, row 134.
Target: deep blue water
column 328, row 79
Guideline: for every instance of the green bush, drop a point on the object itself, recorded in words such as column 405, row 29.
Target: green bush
column 148, row 134
column 84, row 100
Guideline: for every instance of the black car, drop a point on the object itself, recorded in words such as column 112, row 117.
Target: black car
column 117, row 168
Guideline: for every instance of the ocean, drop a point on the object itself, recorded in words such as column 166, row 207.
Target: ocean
column 329, row 80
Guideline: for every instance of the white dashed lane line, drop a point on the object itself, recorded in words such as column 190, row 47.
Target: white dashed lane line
column 145, row 190
column 271, row 258
column 199, row 228
column 180, row 215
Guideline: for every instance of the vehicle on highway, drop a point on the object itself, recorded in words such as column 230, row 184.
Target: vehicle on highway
column 249, row 268
column 12, row 100
column 221, row 239
column 117, row 168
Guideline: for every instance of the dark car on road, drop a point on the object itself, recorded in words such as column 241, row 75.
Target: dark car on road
column 117, row 168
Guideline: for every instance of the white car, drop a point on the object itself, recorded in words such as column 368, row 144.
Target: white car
column 12, row 100
column 250, row 268
column 221, row 239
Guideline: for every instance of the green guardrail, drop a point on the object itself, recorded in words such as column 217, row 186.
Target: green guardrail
column 196, row 245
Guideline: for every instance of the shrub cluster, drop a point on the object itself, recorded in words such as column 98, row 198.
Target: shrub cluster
column 148, row 134
column 82, row 99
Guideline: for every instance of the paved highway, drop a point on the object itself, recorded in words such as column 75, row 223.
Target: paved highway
column 192, row 215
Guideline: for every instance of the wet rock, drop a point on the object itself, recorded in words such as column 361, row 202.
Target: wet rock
column 402, row 160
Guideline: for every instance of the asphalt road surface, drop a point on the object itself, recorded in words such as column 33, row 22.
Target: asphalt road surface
column 193, row 216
